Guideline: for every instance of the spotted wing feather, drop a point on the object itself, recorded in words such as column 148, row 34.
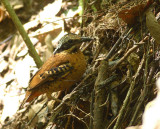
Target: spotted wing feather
column 52, row 74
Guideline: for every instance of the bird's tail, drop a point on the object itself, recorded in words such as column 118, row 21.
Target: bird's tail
column 30, row 95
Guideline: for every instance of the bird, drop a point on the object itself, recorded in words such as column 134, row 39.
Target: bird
column 62, row 70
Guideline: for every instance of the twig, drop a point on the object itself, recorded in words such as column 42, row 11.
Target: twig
column 86, row 114
column 44, row 105
column 91, row 111
column 128, row 53
column 144, row 92
column 152, row 70
column 98, row 51
column 129, row 94
column 60, row 101
column 80, row 119
column 67, row 99
column 117, row 43
column 87, row 77
column 108, row 127
column 8, row 123
column 107, row 81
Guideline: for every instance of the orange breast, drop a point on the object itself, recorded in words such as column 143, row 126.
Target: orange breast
column 77, row 60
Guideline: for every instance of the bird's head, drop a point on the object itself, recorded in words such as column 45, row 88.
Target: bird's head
column 70, row 41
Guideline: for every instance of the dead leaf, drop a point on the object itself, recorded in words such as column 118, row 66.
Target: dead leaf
column 153, row 26
column 129, row 16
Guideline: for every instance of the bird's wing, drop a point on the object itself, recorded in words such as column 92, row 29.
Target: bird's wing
column 51, row 74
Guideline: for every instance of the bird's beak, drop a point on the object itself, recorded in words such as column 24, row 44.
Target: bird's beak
column 85, row 39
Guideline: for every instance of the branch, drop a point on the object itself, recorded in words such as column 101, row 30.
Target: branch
column 129, row 94
column 23, row 33
column 100, row 96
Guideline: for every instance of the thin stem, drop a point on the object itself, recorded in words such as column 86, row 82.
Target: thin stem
column 23, row 33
